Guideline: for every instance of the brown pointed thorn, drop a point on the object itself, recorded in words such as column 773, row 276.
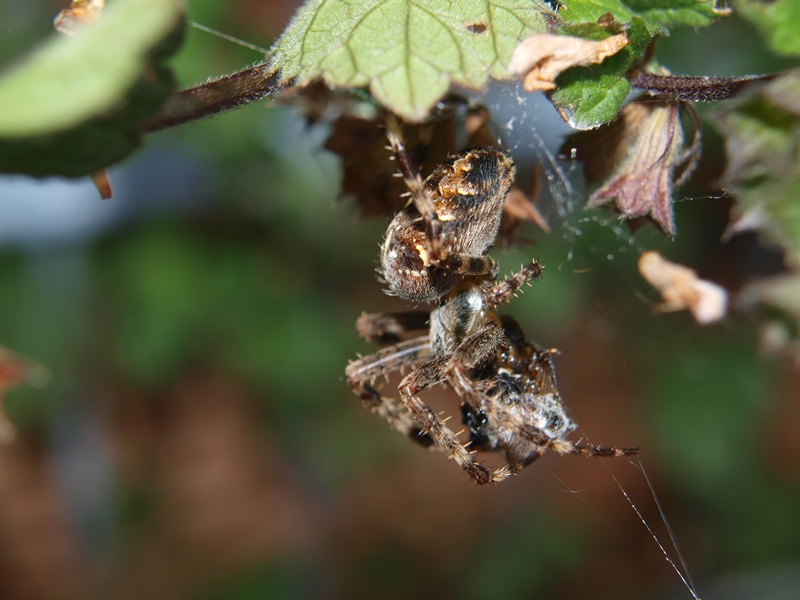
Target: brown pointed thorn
column 102, row 183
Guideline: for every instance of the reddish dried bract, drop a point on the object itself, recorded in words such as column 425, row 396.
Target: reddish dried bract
column 642, row 183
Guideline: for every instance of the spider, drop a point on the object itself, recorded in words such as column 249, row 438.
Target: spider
column 435, row 252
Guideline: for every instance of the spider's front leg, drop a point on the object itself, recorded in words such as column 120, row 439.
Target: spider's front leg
column 416, row 188
column 472, row 351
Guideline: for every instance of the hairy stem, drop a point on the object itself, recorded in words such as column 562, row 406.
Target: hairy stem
column 259, row 81
column 230, row 91
column 694, row 89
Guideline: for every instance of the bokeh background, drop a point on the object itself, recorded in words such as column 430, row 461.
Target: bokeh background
column 196, row 438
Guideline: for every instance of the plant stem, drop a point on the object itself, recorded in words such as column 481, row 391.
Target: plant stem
column 694, row 89
column 230, row 91
column 259, row 81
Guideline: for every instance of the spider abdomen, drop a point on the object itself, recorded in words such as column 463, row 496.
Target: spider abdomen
column 467, row 195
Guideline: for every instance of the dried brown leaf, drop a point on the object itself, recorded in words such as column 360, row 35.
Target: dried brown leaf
column 682, row 289
column 80, row 13
column 601, row 150
column 367, row 172
column 478, row 125
column 776, row 301
column 521, row 205
column 543, row 57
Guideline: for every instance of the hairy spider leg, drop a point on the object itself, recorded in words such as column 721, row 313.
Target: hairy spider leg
column 387, row 327
column 473, row 350
column 590, row 451
column 361, row 375
column 502, row 292
column 465, row 387
column 416, row 188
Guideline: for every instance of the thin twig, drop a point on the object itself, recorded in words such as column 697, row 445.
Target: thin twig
column 224, row 93
column 694, row 89
column 259, row 81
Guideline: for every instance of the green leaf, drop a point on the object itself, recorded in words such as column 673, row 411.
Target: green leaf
column 659, row 15
column 408, row 52
column 778, row 22
column 588, row 100
column 762, row 133
column 75, row 105
column 587, row 97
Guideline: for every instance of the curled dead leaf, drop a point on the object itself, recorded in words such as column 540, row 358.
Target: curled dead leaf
column 369, row 174
column 80, row 13
column 647, row 145
column 682, row 289
column 543, row 57
column 520, row 207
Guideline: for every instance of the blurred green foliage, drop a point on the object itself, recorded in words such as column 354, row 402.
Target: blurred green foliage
column 778, row 22
column 73, row 107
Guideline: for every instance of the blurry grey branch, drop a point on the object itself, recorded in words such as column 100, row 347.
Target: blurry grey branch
column 225, row 93
column 694, row 89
